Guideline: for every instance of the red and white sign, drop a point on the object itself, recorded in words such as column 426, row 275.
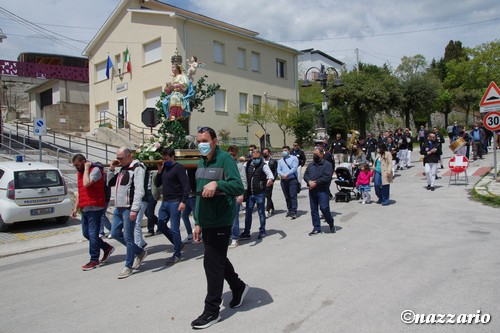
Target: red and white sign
column 491, row 99
column 458, row 163
column 492, row 121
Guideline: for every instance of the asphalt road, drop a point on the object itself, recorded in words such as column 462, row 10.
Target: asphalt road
column 429, row 252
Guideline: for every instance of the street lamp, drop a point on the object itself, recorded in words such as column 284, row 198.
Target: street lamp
column 322, row 78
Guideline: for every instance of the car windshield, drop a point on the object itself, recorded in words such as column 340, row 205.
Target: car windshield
column 37, row 179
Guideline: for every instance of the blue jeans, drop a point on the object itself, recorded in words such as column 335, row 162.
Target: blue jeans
column 169, row 210
column 105, row 223
column 235, row 231
column 321, row 199
column 91, row 221
column 261, row 209
column 290, row 187
column 122, row 230
column 382, row 191
column 190, row 205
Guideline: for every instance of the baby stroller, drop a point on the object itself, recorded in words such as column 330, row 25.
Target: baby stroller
column 346, row 183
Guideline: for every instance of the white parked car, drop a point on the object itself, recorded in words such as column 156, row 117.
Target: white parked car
column 32, row 191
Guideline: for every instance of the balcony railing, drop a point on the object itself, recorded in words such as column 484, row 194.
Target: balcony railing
column 43, row 71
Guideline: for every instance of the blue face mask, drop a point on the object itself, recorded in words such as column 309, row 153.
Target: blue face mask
column 256, row 161
column 284, row 153
column 168, row 163
column 204, row 148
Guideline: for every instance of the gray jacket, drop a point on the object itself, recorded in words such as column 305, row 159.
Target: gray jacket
column 129, row 185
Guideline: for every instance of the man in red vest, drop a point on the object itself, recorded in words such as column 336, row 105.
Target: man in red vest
column 91, row 200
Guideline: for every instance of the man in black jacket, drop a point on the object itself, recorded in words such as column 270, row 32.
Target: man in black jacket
column 432, row 154
column 259, row 176
column 318, row 177
column 173, row 179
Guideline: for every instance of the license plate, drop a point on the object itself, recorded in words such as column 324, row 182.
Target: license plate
column 42, row 211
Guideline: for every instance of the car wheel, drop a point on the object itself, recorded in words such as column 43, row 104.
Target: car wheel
column 3, row 226
column 62, row 219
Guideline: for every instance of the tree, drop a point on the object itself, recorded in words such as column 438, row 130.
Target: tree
column 467, row 78
column 365, row 93
column 257, row 115
column 304, row 122
column 419, row 88
column 284, row 116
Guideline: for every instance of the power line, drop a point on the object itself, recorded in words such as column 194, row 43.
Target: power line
column 391, row 33
column 40, row 30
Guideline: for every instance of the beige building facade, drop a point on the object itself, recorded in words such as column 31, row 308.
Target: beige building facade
column 250, row 70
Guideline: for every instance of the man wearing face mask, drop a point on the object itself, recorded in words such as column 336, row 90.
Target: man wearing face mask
column 173, row 179
column 218, row 184
column 259, row 176
column 287, row 170
column 432, row 152
column 318, row 177
column 478, row 136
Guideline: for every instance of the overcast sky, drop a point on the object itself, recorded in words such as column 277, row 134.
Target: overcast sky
column 382, row 30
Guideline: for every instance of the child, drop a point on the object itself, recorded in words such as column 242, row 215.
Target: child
column 363, row 183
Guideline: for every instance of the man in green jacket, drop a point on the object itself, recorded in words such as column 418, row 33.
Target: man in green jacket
column 218, row 183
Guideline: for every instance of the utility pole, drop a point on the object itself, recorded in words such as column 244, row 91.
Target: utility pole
column 357, row 60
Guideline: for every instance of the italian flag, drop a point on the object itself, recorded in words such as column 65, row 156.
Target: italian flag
column 126, row 61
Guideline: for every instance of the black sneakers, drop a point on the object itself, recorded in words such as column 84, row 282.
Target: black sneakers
column 204, row 321
column 238, row 296
column 244, row 236
column 314, row 232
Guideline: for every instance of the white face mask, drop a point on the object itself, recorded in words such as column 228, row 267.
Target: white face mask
column 204, row 148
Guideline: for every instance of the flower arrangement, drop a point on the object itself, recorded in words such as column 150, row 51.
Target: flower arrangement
column 149, row 151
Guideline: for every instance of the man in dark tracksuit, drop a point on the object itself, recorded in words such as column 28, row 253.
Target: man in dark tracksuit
column 318, row 177
column 218, row 183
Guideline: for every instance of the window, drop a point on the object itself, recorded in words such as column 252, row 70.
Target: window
column 152, row 52
column 243, row 103
column 256, row 102
column 218, row 52
column 255, row 62
column 280, row 68
column 118, row 63
column 101, row 71
column 220, row 100
column 152, row 97
column 241, row 58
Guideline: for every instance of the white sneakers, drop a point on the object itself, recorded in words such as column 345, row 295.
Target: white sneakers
column 234, row 243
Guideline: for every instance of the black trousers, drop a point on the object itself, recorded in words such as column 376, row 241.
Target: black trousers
column 217, row 267
column 269, row 198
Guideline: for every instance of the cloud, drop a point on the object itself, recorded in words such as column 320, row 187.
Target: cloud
column 383, row 31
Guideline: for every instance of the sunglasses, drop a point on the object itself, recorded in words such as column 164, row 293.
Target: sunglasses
column 120, row 158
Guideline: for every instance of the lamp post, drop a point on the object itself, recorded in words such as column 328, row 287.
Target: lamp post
column 321, row 128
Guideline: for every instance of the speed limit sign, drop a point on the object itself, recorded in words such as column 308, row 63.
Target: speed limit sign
column 492, row 120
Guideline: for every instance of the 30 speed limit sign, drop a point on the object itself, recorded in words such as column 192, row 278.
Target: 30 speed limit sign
column 492, row 120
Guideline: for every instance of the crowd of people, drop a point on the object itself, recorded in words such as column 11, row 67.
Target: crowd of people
column 225, row 182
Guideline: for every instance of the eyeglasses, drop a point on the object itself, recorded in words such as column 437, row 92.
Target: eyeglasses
column 120, row 158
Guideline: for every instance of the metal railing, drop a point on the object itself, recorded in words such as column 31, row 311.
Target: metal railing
column 121, row 126
column 92, row 149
